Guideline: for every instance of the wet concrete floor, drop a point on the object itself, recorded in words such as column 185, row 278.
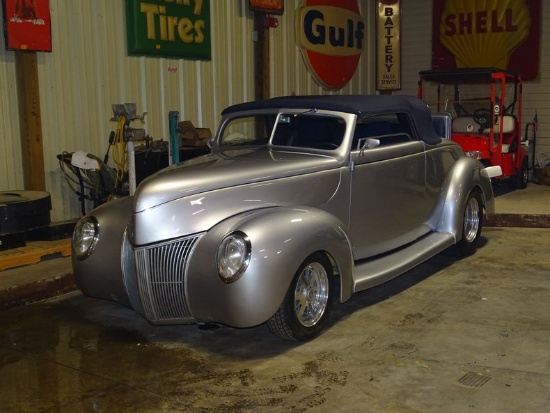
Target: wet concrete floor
column 471, row 335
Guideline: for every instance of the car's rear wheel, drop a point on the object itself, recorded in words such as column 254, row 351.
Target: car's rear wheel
column 472, row 222
column 306, row 307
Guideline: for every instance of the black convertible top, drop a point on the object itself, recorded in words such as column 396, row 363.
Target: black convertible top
column 355, row 104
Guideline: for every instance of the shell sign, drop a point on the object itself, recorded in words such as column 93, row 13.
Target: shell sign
column 331, row 36
column 491, row 33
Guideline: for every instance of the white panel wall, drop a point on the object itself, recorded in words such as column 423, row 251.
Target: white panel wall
column 89, row 70
column 416, row 46
column 11, row 169
column 536, row 94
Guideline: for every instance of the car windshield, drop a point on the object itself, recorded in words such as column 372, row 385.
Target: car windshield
column 309, row 130
column 248, row 130
column 304, row 130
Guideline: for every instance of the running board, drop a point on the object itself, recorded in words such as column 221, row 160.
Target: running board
column 371, row 273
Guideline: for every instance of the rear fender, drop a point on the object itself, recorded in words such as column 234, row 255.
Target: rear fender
column 281, row 239
column 466, row 175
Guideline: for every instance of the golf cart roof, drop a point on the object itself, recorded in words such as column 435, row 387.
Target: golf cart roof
column 466, row 75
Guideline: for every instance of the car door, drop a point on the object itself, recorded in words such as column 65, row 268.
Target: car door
column 388, row 177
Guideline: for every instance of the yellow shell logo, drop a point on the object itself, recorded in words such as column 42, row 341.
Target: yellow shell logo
column 484, row 33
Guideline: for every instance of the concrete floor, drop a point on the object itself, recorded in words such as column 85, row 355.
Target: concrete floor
column 449, row 336
column 533, row 200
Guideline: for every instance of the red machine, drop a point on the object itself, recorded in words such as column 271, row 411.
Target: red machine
column 486, row 109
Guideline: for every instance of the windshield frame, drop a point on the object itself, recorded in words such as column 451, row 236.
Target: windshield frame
column 273, row 121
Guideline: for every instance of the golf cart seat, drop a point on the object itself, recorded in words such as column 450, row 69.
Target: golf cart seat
column 464, row 124
column 510, row 138
column 508, row 125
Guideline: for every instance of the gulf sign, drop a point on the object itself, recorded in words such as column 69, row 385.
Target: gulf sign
column 331, row 36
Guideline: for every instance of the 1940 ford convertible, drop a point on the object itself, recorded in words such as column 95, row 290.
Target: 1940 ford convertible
column 298, row 196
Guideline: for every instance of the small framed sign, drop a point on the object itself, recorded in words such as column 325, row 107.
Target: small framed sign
column 267, row 6
column 27, row 25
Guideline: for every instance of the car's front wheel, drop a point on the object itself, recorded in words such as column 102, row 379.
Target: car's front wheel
column 472, row 221
column 306, row 307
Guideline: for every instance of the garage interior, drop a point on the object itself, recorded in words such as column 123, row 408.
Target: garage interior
column 449, row 336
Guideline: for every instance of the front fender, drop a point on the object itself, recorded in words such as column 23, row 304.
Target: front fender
column 281, row 239
column 100, row 274
column 466, row 175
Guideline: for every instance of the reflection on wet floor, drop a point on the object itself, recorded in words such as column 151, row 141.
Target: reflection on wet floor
column 66, row 363
column 405, row 346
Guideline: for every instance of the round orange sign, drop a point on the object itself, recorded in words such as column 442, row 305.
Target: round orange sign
column 331, row 35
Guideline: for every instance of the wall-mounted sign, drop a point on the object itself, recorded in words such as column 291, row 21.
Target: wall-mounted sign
column 491, row 33
column 331, row 36
column 388, row 41
column 267, row 6
column 169, row 28
column 27, row 25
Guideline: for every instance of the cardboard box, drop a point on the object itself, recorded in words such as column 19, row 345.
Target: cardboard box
column 191, row 136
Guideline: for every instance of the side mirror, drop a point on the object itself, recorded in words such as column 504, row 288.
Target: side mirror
column 369, row 143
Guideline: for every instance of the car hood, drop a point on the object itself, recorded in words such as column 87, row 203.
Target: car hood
column 226, row 169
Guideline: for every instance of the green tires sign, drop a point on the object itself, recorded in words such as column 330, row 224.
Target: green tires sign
column 169, row 28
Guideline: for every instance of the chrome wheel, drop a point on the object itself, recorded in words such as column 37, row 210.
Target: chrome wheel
column 471, row 220
column 307, row 304
column 311, row 294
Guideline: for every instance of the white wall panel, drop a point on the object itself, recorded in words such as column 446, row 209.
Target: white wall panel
column 11, row 169
column 536, row 94
column 89, row 69
column 416, row 46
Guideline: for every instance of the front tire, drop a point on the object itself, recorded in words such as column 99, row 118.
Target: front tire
column 306, row 307
column 472, row 222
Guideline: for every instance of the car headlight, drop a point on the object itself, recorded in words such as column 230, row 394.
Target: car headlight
column 233, row 256
column 85, row 235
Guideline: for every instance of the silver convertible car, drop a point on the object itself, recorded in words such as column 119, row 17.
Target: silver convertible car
column 301, row 201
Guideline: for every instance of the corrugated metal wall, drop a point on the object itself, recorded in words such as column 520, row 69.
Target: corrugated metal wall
column 89, row 70
column 536, row 94
column 11, row 170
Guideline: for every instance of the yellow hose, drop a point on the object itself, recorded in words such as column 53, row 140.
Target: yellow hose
column 119, row 150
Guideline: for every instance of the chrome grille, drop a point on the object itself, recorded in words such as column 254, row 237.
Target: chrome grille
column 160, row 272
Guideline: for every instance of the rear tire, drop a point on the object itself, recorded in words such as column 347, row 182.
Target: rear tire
column 472, row 222
column 306, row 307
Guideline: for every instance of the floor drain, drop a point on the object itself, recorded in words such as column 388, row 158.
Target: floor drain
column 473, row 379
